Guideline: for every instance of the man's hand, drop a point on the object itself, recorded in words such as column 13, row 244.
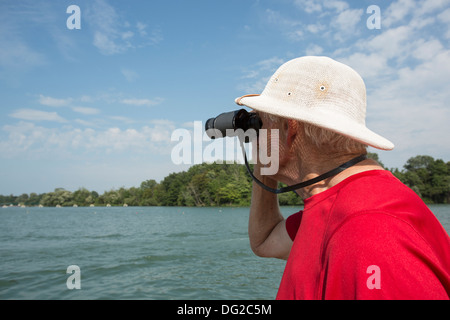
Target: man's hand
column 266, row 228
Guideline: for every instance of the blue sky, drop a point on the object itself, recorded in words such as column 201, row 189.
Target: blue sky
column 96, row 107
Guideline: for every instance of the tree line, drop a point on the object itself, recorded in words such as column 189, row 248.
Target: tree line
column 215, row 184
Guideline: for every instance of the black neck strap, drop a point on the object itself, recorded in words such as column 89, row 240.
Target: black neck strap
column 305, row 183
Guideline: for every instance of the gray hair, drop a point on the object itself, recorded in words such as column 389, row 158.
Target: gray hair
column 324, row 138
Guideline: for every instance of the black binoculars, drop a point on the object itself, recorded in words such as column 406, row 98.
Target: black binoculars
column 227, row 123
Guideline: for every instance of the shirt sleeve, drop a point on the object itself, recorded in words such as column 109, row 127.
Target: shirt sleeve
column 377, row 256
column 293, row 223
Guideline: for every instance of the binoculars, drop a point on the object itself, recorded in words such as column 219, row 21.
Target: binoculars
column 227, row 123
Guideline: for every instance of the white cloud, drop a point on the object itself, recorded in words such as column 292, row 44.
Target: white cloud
column 86, row 98
column 308, row 6
column 269, row 64
column 338, row 6
column 16, row 54
column 53, row 102
column 259, row 74
column 276, row 18
column 323, row 19
column 112, row 34
column 36, row 115
column 412, row 11
column 397, row 11
column 347, row 20
column 143, row 102
column 427, row 49
column 127, row 35
column 163, row 123
column 21, row 24
column 392, row 43
column 122, row 120
column 34, row 141
column 106, row 44
column 315, row 28
column 314, row 50
column 430, row 6
column 371, row 66
column 85, row 110
column 130, row 75
column 109, row 35
column 141, row 28
column 444, row 16
column 86, row 123
column 296, row 35
column 319, row 6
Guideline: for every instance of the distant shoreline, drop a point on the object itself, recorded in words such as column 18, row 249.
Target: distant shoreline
column 226, row 185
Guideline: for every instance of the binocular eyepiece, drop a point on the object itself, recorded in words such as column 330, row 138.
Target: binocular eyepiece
column 227, row 123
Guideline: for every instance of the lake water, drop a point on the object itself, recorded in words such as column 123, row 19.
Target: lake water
column 137, row 253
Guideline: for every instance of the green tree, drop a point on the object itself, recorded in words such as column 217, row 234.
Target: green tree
column 221, row 184
column 22, row 199
column 428, row 177
column 34, row 199
column 82, row 197
column 59, row 197
column 148, row 188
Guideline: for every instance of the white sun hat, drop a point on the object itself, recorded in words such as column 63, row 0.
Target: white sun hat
column 322, row 92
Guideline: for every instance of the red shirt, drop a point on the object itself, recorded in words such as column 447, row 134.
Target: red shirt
column 369, row 237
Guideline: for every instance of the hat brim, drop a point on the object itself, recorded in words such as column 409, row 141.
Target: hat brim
column 321, row 117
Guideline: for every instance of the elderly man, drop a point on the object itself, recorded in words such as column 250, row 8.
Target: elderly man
column 362, row 234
